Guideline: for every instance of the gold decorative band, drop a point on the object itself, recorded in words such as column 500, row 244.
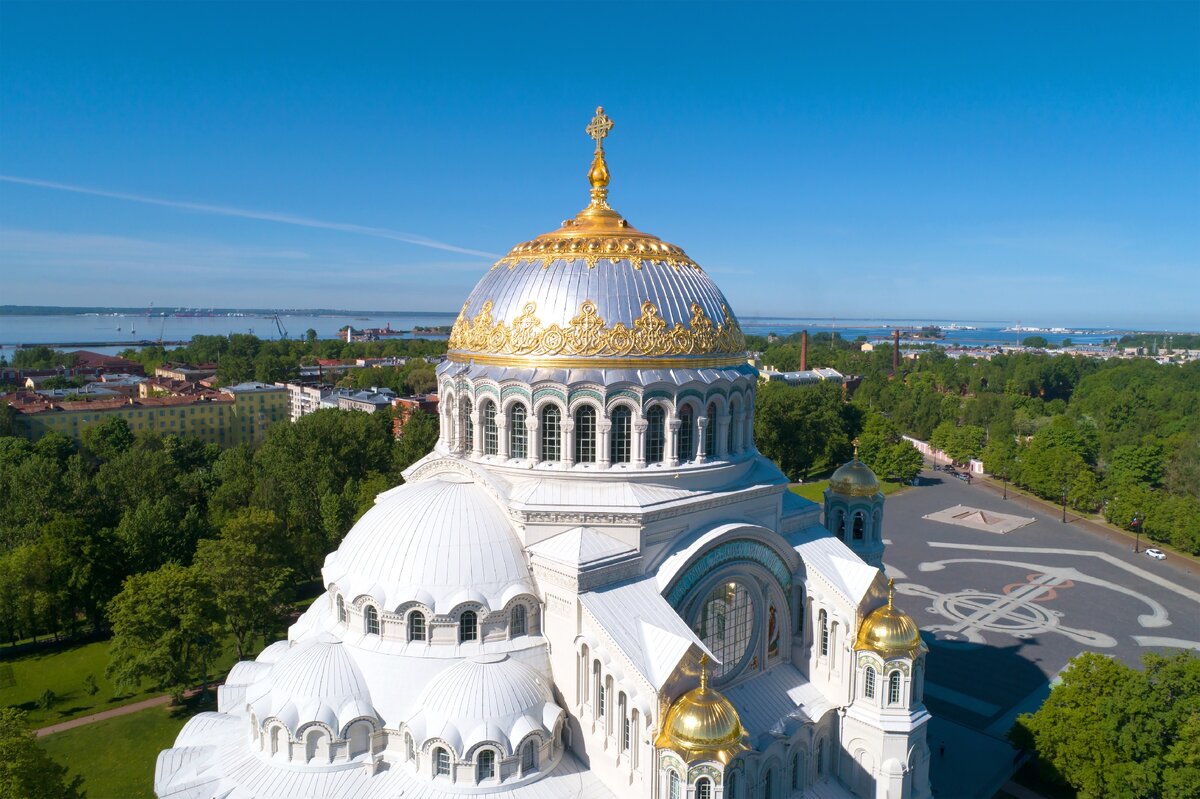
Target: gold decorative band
column 569, row 362
column 594, row 252
column 588, row 335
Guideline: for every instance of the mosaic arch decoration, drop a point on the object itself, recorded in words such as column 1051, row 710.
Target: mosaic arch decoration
column 731, row 551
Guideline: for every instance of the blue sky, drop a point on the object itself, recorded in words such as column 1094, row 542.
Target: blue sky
column 1007, row 161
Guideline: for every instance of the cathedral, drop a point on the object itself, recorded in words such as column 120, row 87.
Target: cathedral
column 594, row 586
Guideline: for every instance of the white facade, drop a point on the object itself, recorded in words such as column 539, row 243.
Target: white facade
column 518, row 618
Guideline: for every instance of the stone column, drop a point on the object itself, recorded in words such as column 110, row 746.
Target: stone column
column 603, row 438
column 568, row 441
column 702, row 454
column 532, row 443
column 477, row 430
column 739, row 431
column 502, row 434
column 639, row 443
column 670, row 456
column 722, row 437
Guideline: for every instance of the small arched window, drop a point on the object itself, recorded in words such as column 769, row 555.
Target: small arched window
column 704, row 788
column 623, row 715
column 416, row 626
column 529, row 757
column 468, row 626
column 517, row 625
column 859, row 525
column 894, row 688
column 869, row 683
column 686, row 442
column 518, row 436
column 710, row 432
column 731, row 785
column 485, row 765
column 839, row 525
column 585, row 435
column 341, row 609
column 620, row 447
column 466, row 425
column 490, row 439
column 655, row 433
column 675, row 790
column 409, row 750
column 797, row 773
column 441, row 762
column 551, row 434
column 824, row 625
column 733, row 406
column 821, row 758
column 769, row 784
column 370, row 620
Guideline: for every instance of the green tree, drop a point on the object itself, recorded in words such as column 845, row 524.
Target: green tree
column 26, row 769
column 166, row 630
column 1035, row 341
column 249, row 584
column 108, row 439
column 1112, row 731
column 418, row 435
column 802, row 427
column 900, row 461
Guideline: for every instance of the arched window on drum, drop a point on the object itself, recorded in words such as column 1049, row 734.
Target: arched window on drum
column 518, row 436
column 620, row 446
column 686, row 441
column 585, row 435
column 655, row 433
column 551, row 433
column 490, row 436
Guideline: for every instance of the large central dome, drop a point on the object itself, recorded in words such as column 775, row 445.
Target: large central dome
column 597, row 292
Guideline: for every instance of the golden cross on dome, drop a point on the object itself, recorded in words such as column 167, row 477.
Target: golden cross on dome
column 891, row 590
column 855, row 443
column 599, row 127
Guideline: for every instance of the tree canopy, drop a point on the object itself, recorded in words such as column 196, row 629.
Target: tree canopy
column 26, row 769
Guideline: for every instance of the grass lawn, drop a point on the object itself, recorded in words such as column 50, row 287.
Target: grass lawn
column 815, row 490
column 63, row 672
column 116, row 756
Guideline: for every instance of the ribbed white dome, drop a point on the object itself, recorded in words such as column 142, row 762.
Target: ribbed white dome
column 491, row 698
column 316, row 680
column 441, row 541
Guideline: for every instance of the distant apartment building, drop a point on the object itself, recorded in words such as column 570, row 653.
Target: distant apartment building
column 369, row 400
column 233, row 415
column 800, row 378
column 304, row 399
column 186, row 372
column 407, row 406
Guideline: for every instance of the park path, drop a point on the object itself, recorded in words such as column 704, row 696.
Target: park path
column 123, row 710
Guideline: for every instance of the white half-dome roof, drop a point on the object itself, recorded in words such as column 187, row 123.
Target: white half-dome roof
column 490, row 698
column 442, row 541
column 316, row 681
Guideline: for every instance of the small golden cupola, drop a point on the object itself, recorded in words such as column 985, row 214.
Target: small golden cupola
column 703, row 725
column 854, row 479
column 889, row 630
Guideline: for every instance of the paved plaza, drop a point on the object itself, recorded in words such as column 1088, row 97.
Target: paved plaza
column 1003, row 612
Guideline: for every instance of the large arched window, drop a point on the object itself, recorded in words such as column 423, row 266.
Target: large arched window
column 518, row 436
column 490, row 440
column 585, row 435
column 869, row 683
column 686, row 442
column 704, row 788
column 529, row 757
column 466, row 426
column 823, row 623
column 710, row 432
column 725, row 623
column 620, row 446
column 441, row 762
column 485, row 765
column 517, row 625
column 859, row 524
column 341, row 609
column 675, row 787
column 551, row 433
column 468, row 626
column 370, row 620
column 655, row 433
column 894, row 688
column 416, row 626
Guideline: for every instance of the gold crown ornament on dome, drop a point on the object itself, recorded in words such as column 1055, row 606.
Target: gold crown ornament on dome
column 597, row 290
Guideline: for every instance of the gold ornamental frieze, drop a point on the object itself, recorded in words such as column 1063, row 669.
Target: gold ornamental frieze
column 589, row 335
column 545, row 250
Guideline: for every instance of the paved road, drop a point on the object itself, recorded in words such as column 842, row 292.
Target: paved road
column 1003, row 613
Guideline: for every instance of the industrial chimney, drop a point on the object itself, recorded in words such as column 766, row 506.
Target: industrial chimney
column 896, row 351
column 803, row 350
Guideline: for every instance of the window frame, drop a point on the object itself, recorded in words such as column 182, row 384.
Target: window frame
column 518, row 435
column 550, row 433
column 468, row 626
column 585, row 434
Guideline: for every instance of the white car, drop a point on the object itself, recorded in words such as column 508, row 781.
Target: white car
column 1157, row 554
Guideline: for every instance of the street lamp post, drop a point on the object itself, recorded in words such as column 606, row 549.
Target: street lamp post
column 1136, row 524
column 1004, row 477
column 1064, row 503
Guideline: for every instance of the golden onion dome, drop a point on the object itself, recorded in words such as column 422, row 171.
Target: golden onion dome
column 889, row 630
column 703, row 725
column 597, row 292
column 854, row 479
